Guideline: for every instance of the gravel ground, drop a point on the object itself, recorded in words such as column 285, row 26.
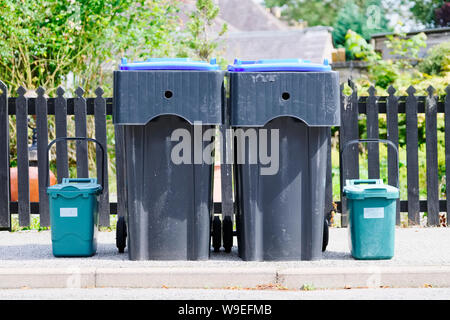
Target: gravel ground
column 208, row 294
column 414, row 246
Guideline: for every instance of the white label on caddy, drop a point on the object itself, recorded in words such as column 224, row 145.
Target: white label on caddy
column 373, row 213
column 68, row 212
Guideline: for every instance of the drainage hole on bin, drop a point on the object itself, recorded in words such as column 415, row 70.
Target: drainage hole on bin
column 285, row 96
column 168, row 94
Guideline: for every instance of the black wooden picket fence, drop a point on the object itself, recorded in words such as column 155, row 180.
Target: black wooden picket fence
column 61, row 107
column 352, row 106
column 99, row 107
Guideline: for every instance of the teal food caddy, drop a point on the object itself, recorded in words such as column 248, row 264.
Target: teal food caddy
column 371, row 208
column 74, row 211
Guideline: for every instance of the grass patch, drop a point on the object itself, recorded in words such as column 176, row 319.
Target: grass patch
column 34, row 224
column 307, row 287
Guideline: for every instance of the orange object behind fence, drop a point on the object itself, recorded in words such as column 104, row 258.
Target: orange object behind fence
column 34, row 183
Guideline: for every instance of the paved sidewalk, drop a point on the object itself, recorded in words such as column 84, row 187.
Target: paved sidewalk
column 422, row 258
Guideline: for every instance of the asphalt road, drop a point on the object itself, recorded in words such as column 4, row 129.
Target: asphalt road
column 219, row 294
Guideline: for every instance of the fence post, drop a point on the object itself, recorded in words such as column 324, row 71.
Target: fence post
column 81, row 131
column 432, row 159
column 349, row 167
column 5, row 218
column 23, row 185
column 447, row 151
column 42, row 142
column 392, row 135
column 62, row 161
column 412, row 157
column 373, row 150
column 100, row 135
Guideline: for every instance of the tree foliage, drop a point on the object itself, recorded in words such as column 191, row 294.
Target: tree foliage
column 201, row 40
column 362, row 16
column 402, row 71
column 331, row 12
column 314, row 12
column 41, row 41
column 442, row 15
column 425, row 11
column 365, row 19
column 437, row 61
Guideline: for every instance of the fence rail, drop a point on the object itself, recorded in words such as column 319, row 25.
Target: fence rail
column 352, row 107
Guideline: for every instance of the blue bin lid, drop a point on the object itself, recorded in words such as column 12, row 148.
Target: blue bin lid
column 268, row 65
column 369, row 188
column 74, row 186
column 170, row 64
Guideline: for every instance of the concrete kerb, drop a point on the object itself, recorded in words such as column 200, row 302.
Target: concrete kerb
column 184, row 277
column 333, row 278
column 33, row 278
column 366, row 277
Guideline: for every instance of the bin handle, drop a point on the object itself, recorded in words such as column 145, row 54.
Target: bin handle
column 77, row 180
column 77, row 139
column 372, row 140
column 361, row 181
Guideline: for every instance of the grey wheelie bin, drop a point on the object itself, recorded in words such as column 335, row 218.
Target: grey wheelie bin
column 287, row 108
column 166, row 107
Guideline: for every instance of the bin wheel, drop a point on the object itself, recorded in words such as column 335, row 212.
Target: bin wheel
column 216, row 234
column 121, row 234
column 227, row 234
column 326, row 235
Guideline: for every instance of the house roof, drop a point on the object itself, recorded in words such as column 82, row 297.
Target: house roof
column 426, row 31
column 434, row 37
column 188, row 6
column 247, row 15
column 254, row 33
column 310, row 43
column 239, row 15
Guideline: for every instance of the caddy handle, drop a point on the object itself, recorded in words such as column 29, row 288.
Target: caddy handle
column 372, row 140
column 77, row 139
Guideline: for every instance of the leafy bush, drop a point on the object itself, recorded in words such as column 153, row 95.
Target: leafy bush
column 198, row 37
column 425, row 11
column 402, row 71
column 437, row 60
column 42, row 41
column 442, row 15
column 381, row 72
column 365, row 19
column 313, row 12
column 406, row 50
